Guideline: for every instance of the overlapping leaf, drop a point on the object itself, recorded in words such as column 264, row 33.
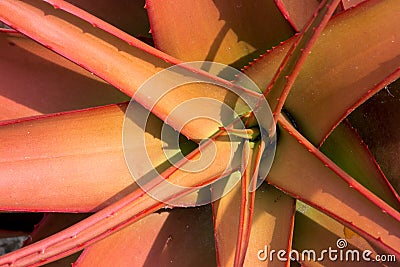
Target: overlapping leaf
column 125, row 63
column 271, row 226
column 347, row 214
column 296, row 12
column 51, row 224
column 349, row 152
column 332, row 79
column 37, row 81
column 49, row 162
column 378, row 123
column 225, row 31
column 298, row 172
column 179, row 237
column 129, row 16
column 310, row 223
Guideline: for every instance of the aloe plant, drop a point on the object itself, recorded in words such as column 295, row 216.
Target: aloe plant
column 328, row 70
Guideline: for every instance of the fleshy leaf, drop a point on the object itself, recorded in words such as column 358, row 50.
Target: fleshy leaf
column 349, row 152
column 129, row 209
column 147, row 210
column 42, row 158
column 278, row 89
column 112, row 58
column 329, row 84
column 275, row 97
column 52, row 223
column 125, row 63
column 129, row 16
column 217, row 33
column 296, row 12
column 179, row 237
column 378, row 123
column 302, row 174
column 282, row 82
column 37, row 81
column 272, row 224
column 351, row 3
column 311, row 223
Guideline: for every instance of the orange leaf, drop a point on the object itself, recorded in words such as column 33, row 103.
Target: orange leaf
column 347, row 150
column 218, row 32
column 37, row 81
column 66, row 162
column 272, row 224
column 311, row 223
column 378, row 123
column 302, row 175
column 129, row 16
column 179, row 237
column 297, row 12
column 346, row 62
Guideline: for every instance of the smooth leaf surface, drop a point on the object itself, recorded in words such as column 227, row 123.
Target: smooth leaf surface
column 225, row 31
column 44, row 158
column 351, row 3
column 311, row 223
column 51, row 224
column 282, row 81
column 178, row 237
column 272, row 225
column 112, row 59
column 138, row 208
column 48, row 151
column 378, row 123
column 299, row 173
column 123, row 65
column 88, row 177
column 129, row 209
column 129, row 16
column 348, row 151
column 37, row 81
column 297, row 13
column 329, row 84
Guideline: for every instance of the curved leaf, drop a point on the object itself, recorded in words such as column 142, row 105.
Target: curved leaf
column 282, row 82
column 129, row 16
column 299, row 173
column 351, row 3
column 348, row 151
column 179, row 237
column 53, row 223
column 357, row 50
column 272, row 225
column 378, row 123
column 125, row 63
column 37, row 81
column 110, row 58
column 311, row 223
column 220, row 33
column 298, row 13
column 130, row 208
column 44, row 158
